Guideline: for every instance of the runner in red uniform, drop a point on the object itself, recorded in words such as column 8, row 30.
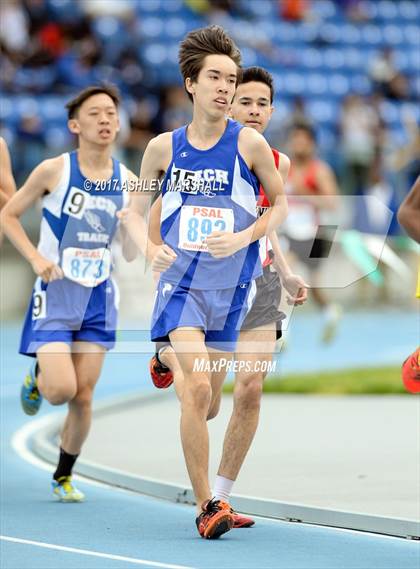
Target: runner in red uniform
column 309, row 179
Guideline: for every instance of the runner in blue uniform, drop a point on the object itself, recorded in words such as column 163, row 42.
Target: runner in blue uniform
column 252, row 106
column 72, row 314
column 210, row 230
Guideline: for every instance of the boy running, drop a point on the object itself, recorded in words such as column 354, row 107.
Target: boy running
column 252, row 106
column 72, row 315
column 210, row 230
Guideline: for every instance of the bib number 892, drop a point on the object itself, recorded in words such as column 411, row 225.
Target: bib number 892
column 207, row 226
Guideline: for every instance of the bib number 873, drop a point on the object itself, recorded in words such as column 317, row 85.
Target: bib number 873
column 207, row 226
column 80, row 268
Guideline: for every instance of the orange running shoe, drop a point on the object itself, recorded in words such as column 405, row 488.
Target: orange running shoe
column 161, row 375
column 240, row 521
column 215, row 519
column 411, row 372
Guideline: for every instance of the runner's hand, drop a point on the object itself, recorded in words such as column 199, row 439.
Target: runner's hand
column 163, row 258
column 47, row 270
column 297, row 289
column 122, row 215
column 223, row 244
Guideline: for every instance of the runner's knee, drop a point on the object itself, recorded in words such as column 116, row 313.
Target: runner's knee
column 247, row 393
column 59, row 394
column 198, row 393
column 83, row 397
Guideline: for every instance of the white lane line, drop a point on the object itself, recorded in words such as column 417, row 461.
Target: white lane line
column 93, row 553
column 24, row 434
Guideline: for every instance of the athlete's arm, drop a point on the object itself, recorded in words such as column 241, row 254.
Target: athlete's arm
column 129, row 248
column 294, row 284
column 7, row 182
column 409, row 212
column 258, row 155
column 164, row 256
column 156, row 160
column 43, row 179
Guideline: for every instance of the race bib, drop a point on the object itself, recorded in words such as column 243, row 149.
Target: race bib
column 39, row 305
column 302, row 220
column 87, row 267
column 197, row 223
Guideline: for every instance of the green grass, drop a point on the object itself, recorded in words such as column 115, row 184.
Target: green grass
column 376, row 381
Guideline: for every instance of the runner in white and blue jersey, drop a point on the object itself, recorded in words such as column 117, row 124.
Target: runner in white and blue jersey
column 72, row 315
column 210, row 232
column 213, row 294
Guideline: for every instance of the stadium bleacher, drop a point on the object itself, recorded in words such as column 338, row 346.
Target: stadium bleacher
column 321, row 60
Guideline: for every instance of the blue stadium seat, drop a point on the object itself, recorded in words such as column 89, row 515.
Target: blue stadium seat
column 325, row 9
column 371, row 34
column 152, row 27
column 8, row 111
column 311, row 58
column 155, row 54
column 334, row 58
column 412, row 35
column 393, row 35
column 316, row 84
column 360, row 84
column 409, row 10
column 387, row 10
column 57, row 137
column 285, row 32
column 149, row 6
column 27, row 105
column 339, row 84
column 175, row 28
column 321, row 110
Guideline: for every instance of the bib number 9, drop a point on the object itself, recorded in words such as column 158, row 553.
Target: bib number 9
column 76, row 203
column 39, row 305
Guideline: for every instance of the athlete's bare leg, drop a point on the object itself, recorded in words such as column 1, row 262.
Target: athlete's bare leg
column 88, row 360
column 195, row 405
column 167, row 357
column 57, row 387
column 253, row 346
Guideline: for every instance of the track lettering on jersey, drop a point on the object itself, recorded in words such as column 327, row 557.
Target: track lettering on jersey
column 197, row 223
column 87, row 267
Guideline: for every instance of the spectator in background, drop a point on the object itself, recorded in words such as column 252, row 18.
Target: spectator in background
column 311, row 189
column 360, row 131
column 141, row 132
column 296, row 116
column 386, row 78
column 14, row 28
column 353, row 10
column 174, row 110
column 293, row 10
column 30, row 146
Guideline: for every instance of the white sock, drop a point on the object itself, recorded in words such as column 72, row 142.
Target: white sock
column 222, row 488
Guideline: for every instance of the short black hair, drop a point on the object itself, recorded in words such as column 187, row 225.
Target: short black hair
column 307, row 127
column 260, row 75
column 74, row 105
